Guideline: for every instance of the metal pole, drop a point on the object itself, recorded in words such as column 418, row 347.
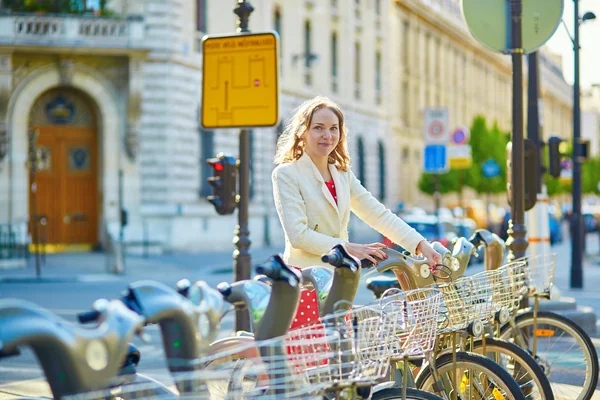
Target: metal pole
column 241, row 255
column 533, row 114
column 121, row 225
column 577, row 223
column 33, row 186
column 436, row 196
column 517, row 241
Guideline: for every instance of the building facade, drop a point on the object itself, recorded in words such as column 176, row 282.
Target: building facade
column 590, row 118
column 437, row 63
column 115, row 104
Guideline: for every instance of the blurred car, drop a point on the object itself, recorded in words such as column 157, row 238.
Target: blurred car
column 426, row 226
column 590, row 222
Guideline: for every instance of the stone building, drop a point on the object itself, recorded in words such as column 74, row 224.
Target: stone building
column 114, row 98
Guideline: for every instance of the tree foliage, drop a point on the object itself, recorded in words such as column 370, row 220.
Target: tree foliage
column 485, row 143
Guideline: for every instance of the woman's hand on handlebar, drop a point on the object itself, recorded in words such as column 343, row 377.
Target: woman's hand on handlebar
column 371, row 252
column 425, row 249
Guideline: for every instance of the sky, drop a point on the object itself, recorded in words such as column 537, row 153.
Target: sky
column 589, row 38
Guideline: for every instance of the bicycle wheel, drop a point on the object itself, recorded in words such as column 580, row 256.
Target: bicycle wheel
column 564, row 351
column 520, row 364
column 477, row 377
column 411, row 394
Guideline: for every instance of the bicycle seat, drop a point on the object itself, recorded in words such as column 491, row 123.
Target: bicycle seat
column 379, row 284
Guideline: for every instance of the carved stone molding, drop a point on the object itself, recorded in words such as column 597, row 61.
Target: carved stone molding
column 3, row 141
column 132, row 141
column 134, row 107
column 66, row 69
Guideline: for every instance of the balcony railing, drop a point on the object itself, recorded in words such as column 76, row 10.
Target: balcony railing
column 71, row 30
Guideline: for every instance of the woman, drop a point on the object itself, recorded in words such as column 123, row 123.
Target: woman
column 315, row 190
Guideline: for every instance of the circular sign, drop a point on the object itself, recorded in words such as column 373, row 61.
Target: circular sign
column 490, row 22
column 490, row 168
column 436, row 128
column 460, row 135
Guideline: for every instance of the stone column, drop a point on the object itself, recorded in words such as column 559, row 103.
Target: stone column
column 5, row 167
column 134, row 107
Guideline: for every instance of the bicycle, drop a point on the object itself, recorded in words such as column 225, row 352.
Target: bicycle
column 76, row 360
column 534, row 330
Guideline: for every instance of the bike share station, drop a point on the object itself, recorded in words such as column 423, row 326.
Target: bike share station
column 455, row 333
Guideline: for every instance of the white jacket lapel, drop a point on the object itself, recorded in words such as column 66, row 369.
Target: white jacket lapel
column 306, row 159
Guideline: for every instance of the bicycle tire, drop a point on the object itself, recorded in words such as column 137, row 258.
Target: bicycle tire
column 565, row 324
column 464, row 360
column 523, row 358
column 411, row 394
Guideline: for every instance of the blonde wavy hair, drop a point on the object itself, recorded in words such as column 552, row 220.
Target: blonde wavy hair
column 290, row 145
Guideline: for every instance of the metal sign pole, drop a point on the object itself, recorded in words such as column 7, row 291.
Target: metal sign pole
column 33, row 218
column 517, row 241
column 241, row 255
column 577, row 235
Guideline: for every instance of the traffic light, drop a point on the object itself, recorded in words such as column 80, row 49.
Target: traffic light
column 531, row 174
column 554, row 156
column 224, row 183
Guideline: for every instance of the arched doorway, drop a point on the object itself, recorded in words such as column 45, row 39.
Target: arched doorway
column 65, row 205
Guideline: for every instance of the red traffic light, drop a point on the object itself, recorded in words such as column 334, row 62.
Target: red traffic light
column 216, row 163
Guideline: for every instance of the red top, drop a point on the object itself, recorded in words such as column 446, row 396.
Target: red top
column 331, row 186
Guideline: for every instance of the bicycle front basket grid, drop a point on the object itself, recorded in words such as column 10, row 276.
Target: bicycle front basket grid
column 344, row 349
column 418, row 313
column 467, row 300
column 540, row 271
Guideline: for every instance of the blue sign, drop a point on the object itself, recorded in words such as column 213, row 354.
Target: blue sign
column 436, row 159
column 490, row 168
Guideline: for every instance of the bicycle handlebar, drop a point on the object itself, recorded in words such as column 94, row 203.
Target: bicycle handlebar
column 276, row 269
column 339, row 257
column 88, row 316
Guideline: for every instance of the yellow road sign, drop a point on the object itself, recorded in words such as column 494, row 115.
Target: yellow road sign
column 240, row 86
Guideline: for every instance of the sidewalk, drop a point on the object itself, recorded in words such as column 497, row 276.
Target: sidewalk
column 87, row 267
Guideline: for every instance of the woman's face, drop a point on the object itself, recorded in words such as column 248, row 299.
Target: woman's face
column 323, row 134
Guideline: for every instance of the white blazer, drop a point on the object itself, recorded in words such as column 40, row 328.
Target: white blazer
column 312, row 221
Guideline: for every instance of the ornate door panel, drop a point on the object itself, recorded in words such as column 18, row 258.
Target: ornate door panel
column 67, row 185
column 67, row 177
column 47, row 180
column 79, row 183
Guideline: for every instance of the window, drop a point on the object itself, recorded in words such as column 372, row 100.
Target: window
column 307, row 53
column 381, row 151
column 207, row 150
column 438, row 62
column 405, row 102
column 361, row 161
column 307, row 44
column 357, row 70
column 378, row 77
column 277, row 27
column 426, row 54
column 405, row 43
column 201, row 15
column 334, row 60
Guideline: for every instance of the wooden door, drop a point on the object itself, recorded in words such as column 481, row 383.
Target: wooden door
column 67, row 191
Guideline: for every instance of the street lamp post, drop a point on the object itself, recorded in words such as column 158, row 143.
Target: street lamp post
column 577, row 235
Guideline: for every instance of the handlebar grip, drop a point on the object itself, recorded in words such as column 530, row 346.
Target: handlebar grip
column 88, row 316
column 225, row 289
column 366, row 263
column 266, row 269
column 334, row 258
